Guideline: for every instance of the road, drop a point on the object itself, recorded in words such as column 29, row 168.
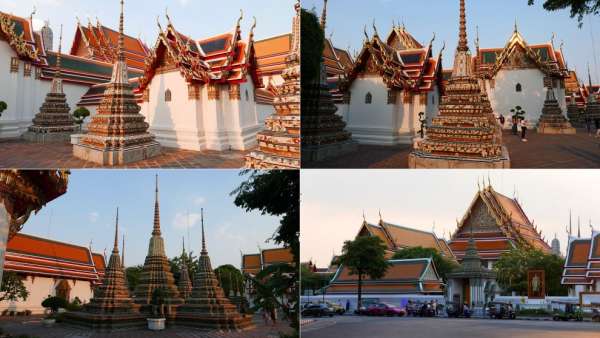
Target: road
column 383, row 327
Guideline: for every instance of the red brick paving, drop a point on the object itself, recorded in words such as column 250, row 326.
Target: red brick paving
column 32, row 326
column 541, row 151
column 24, row 155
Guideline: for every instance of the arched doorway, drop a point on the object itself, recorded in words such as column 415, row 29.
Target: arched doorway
column 63, row 290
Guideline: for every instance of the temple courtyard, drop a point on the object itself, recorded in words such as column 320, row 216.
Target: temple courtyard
column 355, row 327
column 16, row 153
column 541, row 151
column 32, row 326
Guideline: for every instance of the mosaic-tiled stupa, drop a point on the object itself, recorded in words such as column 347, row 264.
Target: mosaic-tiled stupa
column 118, row 133
column 466, row 133
column 156, row 273
column 208, row 307
column 552, row 120
column 574, row 114
column 54, row 122
column 185, row 283
column 279, row 143
column 111, row 307
column 323, row 131
column 592, row 108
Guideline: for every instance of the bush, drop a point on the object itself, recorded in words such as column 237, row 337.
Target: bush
column 3, row 106
column 534, row 312
column 80, row 114
column 55, row 303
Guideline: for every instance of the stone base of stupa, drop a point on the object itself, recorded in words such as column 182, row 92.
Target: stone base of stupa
column 419, row 160
column 47, row 136
column 105, row 322
column 565, row 128
column 323, row 152
column 112, row 157
column 215, row 321
column 261, row 160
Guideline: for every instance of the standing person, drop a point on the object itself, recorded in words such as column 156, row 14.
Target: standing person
column 524, row 130
column 347, row 305
column 597, row 125
column 502, row 120
column 588, row 124
column 515, row 123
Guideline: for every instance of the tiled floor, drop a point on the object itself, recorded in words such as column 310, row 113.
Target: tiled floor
column 541, row 151
column 24, row 155
column 33, row 328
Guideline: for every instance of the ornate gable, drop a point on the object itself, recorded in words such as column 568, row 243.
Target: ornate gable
column 479, row 219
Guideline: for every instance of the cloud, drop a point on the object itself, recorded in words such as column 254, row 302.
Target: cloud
column 199, row 200
column 184, row 3
column 181, row 220
column 225, row 233
column 93, row 216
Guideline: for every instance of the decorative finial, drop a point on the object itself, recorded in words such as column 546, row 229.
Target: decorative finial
column 463, row 44
column 570, row 223
column 366, row 34
column 121, row 37
column 203, row 239
column 432, row 39
column 116, row 244
column 477, row 37
column 375, row 28
column 589, row 77
column 380, row 217
column 364, row 217
column 516, row 26
column 183, row 246
column 324, row 16
column 59, row 56
column 33, row 13
column 578, row 227
column 552, row 39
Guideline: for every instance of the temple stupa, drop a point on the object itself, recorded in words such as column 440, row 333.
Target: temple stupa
column 208, row 307
column 323, row 131
column 118, row 133
column 552, row 120
column 279, row 143
column 185, row 283
column 574, row 114
column 54, row 122
column 111, row 308
column 156, row 273
column 466, row 133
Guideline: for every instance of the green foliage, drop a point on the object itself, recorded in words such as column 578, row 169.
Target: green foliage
column 80, row 114
column 312, row 281
column 232, row 279
column 364, row 256
column 518, row 113
column 442, row 265
column 275, row 287
column 312, row 44
column 3, row 106
column 534, row 312
column 578, row 8
column 189, row 260
column 512, row 267
column 12, row 288
column 55, row 303
column 133, row 276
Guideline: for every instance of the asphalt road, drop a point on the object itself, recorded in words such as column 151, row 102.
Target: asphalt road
column 360, row 327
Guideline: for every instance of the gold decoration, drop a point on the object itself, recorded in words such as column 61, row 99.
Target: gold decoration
column 14, row 65
column 213, row 92
column 193, row 92
column 17, row 42
column 234, row 91
column 27, row 69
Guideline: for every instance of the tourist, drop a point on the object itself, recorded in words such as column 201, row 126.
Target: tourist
column 515, row 125
column 434, row 305
column 502, row 120
column 347, row 305
column 588, row 124
column 265, row 316
column 523, row 125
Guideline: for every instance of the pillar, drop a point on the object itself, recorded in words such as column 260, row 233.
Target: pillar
column 4, row 226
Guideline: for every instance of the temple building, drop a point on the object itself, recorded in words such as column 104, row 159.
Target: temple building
column 52, row 268
column 582, row 266
column 519, row 74
column 497, row 224
column 254, row 263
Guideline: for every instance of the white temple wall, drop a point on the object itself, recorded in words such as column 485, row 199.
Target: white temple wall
column 433, row 105
column 40, row 288
column 343, row 110
column 241, row 117
column 264, row 111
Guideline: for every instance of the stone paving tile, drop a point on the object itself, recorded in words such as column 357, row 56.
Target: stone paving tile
column 541, row 151
column 20, row 154
column 34, row 328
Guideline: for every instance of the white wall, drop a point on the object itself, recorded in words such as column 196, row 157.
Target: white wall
column 40, row 287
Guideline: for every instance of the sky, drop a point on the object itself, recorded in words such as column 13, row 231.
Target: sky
column 346, row 20
column 333, row 201
column 87, row 213
column 195, row 18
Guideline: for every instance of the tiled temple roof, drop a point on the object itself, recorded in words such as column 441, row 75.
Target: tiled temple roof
column 271, row 54
column 30, row 255
column 253, row 263
column 582, row 264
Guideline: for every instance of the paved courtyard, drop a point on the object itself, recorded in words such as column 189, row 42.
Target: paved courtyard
column 383, row 327
column 32, row 327
column 541, row 151
column 20, row 154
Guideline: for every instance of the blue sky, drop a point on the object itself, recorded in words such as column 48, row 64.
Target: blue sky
column 333, row 202
column 195, row 18
column 87, row 212
column 347, row 18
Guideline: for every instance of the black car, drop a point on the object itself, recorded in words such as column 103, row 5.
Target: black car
column 499, row 310
column 317, row 310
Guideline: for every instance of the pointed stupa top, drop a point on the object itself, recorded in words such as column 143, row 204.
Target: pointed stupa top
column 324, row 16
column 203, row 252
column 119, row 74
column 57, row 86
column 471, row 264
column 123, row 252
column 156, row 228
column 116, row 244
column 462, row 58
column 463, row 44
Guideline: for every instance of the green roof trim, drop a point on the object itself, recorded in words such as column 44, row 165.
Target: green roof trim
column 79, row 65
column 489, row 57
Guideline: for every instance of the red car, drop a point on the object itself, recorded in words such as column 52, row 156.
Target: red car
column 384, row 309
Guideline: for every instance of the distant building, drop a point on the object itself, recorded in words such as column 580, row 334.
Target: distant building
column 582, row 266
column 51, row 268
column 47, row 36
column 252, row 264
column 555, row 246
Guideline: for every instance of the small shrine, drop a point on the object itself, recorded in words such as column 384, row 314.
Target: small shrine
column 574, row 113
column 466, row 133
column 118, row 133
column 592, row 108
column 552, row 121
column 54, row 122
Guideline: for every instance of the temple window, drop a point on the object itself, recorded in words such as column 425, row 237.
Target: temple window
column 27, row 69
column 247, row 95
column 391, row 96
column 432, row 99
column 63, row 290
column 38, row 73
column 14, row 65
column 168, row 95
column 368, row 98
column 519, row 88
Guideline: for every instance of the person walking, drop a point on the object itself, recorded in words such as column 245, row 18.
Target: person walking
column 588, row 124
column 597, row 125
column 502, row 120
column 515, row 125
column 523, row 130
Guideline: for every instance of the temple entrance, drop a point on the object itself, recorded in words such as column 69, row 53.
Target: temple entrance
column 63, row 290
column 466, row 292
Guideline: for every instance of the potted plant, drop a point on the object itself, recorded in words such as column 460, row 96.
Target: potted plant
column 3, row 107
column 53, row 304
column 157, row 321
column 79, row 115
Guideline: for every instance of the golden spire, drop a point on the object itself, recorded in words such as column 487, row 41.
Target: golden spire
column 462, row 34
column 203, row 239
column 116, row 244
column 324, row 16
column 156, row 230
column 121, row 38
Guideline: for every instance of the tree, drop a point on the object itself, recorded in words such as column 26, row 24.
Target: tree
column 512, row 267
column 189, row 260
column 579, row 8
column 132, row 274
column 275, row 286
column 442, row 264
column 365, row 257
column 518, row 113
column 55, row 303
column 312, row 281
column 312, row 44
column 3, row 107
column 80, row 114
column 13, row 288
column 231, row 279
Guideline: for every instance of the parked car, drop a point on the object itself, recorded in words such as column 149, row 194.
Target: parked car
column 566, row 311
column 385, row 309
column 337, row 308
column 500, row 310
column 317, row 310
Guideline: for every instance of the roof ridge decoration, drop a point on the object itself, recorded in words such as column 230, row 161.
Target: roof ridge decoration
column 17, row 42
